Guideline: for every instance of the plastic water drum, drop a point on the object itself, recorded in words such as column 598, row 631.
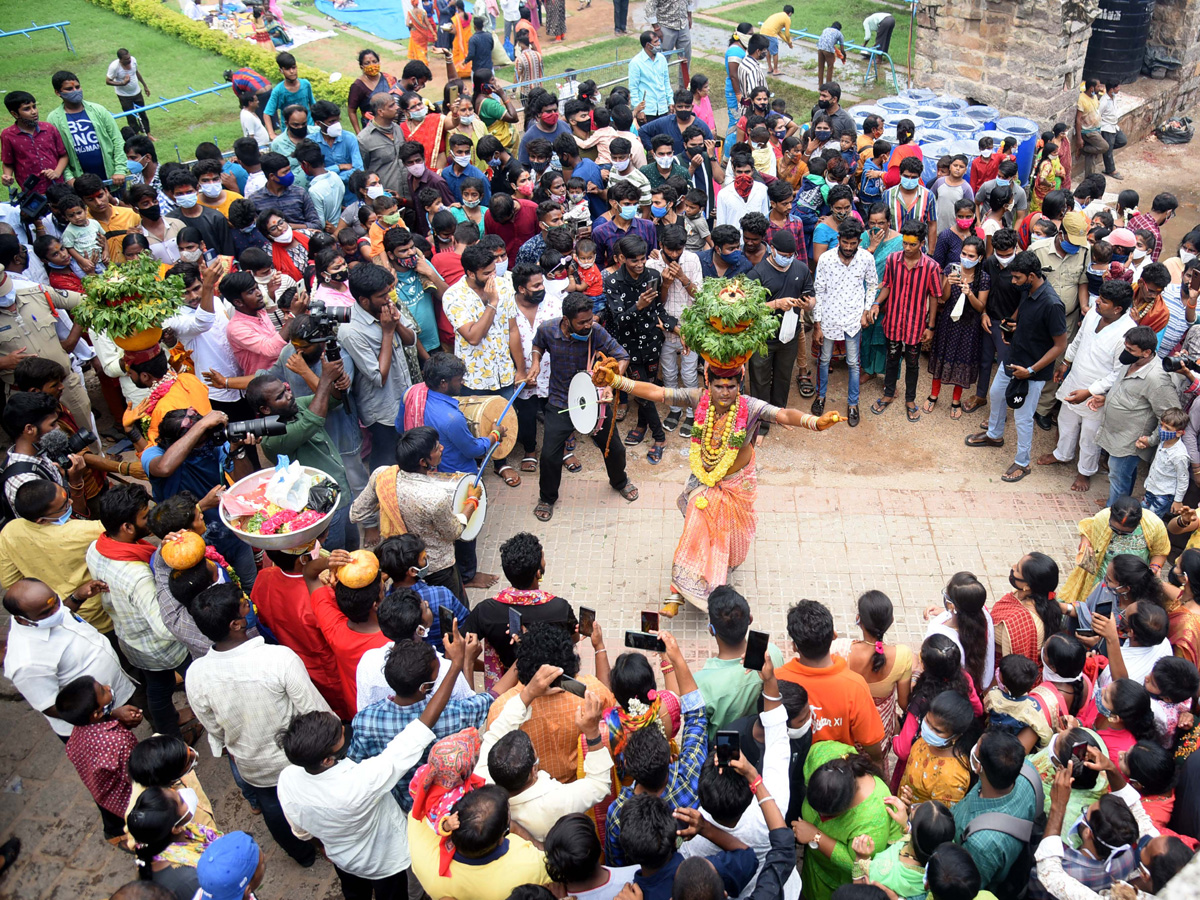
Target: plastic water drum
column 947, row 102
column 1026, row 132
column 863, row 110
column 897, row 104
column 984, row 115
column 921, row 95
column 962, row 128
column 969, row 149
column 928, row 115
column 889, row 134
column 933, row 136
column 932, row 153
column 891, row 120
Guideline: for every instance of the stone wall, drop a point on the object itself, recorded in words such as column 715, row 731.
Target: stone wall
column 1175, row 26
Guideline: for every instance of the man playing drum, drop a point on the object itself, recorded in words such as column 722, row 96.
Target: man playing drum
column 573, row 343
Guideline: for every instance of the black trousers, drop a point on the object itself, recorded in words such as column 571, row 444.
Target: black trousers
column 911, row 354
column 466, row 559
column 992, row 348
column 450, row 579
column 620, row 14
column 883, row 34
column 383, row 445
column 160, row 688
column 1115, row 140
column 128, row 103
column 648, row 416
column 527, row 411
column 394, row 887
column 554, row 439
column 771, row 374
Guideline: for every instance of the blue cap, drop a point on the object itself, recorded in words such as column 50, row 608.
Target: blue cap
column 226, row 867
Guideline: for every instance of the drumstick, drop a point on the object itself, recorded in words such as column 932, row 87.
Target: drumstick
column 483, row 466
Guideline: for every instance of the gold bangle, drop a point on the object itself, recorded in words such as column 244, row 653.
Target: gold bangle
column 621, row 383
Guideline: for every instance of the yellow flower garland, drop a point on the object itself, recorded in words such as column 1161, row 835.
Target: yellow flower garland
column 709, row 460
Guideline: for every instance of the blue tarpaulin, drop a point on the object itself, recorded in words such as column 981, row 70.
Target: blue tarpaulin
column 383, row 18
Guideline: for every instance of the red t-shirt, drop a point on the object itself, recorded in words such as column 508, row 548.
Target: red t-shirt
column 523, row 226
column 842, row 706
column 282, row 601
column 348, row 645
column 448, row 265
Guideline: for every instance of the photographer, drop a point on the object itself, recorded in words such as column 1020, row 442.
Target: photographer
column 192, row 454
column 27, row 417
column 375, row 338
column 306, row 439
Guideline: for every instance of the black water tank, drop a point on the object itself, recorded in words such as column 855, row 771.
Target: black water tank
column 1118, row 42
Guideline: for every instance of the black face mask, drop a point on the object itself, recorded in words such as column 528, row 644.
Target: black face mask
column 1012, row 579
column 824, row 104
column 683, row 115
column 1174, row 578
column 151, row 213
column 301, row 132
column 585, row 126
column 1126, row 358
column 339, row 276
column 537, row 296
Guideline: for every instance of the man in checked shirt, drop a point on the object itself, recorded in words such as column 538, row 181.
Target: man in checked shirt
column 681, row 279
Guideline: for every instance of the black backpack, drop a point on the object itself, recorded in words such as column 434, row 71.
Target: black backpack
column 7, row 514
column 1015, row 883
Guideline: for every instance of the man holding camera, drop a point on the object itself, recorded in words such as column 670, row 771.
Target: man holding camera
column 306, row 439
column 28, row 416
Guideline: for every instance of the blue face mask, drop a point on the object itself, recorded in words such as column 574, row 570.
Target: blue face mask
column 909, row 184
column 931, row 737
column 1166, row 434
column 733, row 258
column 249, row 228
column 1069, row 248
column 135, row 167
column 657, row 211
column 1120, row 257
column 782, row 261
column 186, row 201
column 629, row 212
column 64, row 518
column 1101, row 707
column 968, row 263
column 582, row 337
column 286, row 179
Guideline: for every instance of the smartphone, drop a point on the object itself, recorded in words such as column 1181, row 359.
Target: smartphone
column 729, row 745
column 756, row 650
column 640, row 640
column 211, row 256
column 650, row 622
column 587, row 619
column 446, row 619
column 956, row 269
column 1103, row 608
column 571, row 685
column 1080, row 751
column 514, row 623
column 1085, row 632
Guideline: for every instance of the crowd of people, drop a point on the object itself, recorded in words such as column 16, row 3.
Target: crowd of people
column 359, row 284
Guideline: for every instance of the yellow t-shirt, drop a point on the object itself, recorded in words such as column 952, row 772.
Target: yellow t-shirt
column 223, row 206
column 54, row 554
column 777, row 25
column 521, row 863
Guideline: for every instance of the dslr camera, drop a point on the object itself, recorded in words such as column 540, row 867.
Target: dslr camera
column 267, row 426
column 57, row 446
column 1176, row 364
column 325, row 322
column 32, row 204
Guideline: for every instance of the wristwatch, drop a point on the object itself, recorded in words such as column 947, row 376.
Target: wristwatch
column 816, row 841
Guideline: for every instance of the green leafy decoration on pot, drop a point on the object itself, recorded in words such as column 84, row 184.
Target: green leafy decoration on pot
column 128, row 298
column 728, row 320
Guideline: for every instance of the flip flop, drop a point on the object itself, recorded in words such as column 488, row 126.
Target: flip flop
column 879, row 407
column 655, row 454
column 533, row 464
column 543, row 511
column 569, row 465
column 930, row 404
column 956, row 410
column 635, row 437
column 512, row 481
column 1015, row 473
column 914, row 414
column 629, row 492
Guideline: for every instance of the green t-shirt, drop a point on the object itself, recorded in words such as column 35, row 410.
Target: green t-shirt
column 309, row 443
column 894, row 873
column 729, row 690
column 491, row 110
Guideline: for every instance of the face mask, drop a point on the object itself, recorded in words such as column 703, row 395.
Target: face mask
column 540, row 166
column 262, row 280
column 964, row 223
column 1120, row 257
column 931, row 737
column 841, row 215
column 494, row 162
column 339, row 276
column 782, row 261
column 1103, row 708
column 375, row 190
column 466, row 120
column 334, row 130
column 285, row 238
column 587, row 265
column 1138, row 253
column 188, row 796
column 211, row 190
column 823, row 104
column 550, row 118
column 1069, row 248
column 416, row 170
column 463, row 161
column 390, row 218
column 576, row 198
column 795, row 734
column 371, row 70
column 299, row 133
column 908, row 183
column 628, row 212
column 967, row 263
column 10, row 300
column 558, row 198
column 73, row 97
column 135, row 167
column 658, row 211
column 733, row 258
column 780, row 135
column 153, row 213
column 190, row 255
column 1165, row 434
column 985, row 153
column 1186, row 256
column 470, row 204
column 501, row 267
column 582, row 337
column 417, row 115
column 285, row 180
column 409, row 262
column 1126, row 358
column 186, row 201
column 107, row 708
column 822, row 136
column 664, row 162
column 526, row 189
column 537, row 296
column 53, row 620
column 63, row 519
column 1005, row 260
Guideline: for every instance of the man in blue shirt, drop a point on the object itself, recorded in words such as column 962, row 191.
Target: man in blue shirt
column 403, row 559
column 339, row 147
column 725, row 259
column 542, row 111
column 479, row 47
column 575, row 165
column 674, row 125
column 649, row 77
column 459, row 167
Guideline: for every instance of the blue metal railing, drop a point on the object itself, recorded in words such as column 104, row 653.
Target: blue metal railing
column 34, row 26
column 571, row 74
column 189, row 97
column 872, row 63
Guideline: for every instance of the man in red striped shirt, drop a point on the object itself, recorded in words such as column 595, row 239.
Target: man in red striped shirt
column 912, row 284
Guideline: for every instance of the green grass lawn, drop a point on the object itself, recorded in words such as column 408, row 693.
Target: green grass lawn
column 817, row 15
column 169, row 66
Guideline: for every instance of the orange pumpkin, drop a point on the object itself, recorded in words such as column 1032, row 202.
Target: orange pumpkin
column 183, row 549
column 361, row 571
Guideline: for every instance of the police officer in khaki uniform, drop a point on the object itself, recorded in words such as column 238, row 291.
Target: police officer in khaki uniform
column 27, row 329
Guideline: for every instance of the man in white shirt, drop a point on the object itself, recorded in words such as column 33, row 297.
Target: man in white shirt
column 252, row 126
column 745, row 194
column 507, row 758
column 127, row 81
column 49, row 647
column 348, row 805
column 1091, row 366
column 1110, row 128
column 242, row 691
column 403, row 616
column 682, row 280
column 200, row 326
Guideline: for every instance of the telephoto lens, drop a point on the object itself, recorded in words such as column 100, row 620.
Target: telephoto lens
column 267, row 426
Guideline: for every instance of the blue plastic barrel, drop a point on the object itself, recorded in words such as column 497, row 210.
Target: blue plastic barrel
column 932, row 153
column 863, row 110
column 921, row 95
column 947, row 102
column 961, row 127
column 897, row 104
column 1026, row 132
column 996, row 136
column 889, row 134
column 969, row 149
column 933, row 136
column 984, row 115
column 891, row 120
column 928, row 115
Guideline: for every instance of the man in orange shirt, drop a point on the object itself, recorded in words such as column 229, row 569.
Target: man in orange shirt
column 168, row 390
column 842, row 708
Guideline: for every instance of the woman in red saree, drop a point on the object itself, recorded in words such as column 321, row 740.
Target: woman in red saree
column 421, row 32
column 1024, row 616
column 289, row 248
column 426, row 128
column 717, row 503
column 1149, row 308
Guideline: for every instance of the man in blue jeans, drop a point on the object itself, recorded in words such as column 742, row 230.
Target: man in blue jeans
column 1137, row 401
column 1039, row 338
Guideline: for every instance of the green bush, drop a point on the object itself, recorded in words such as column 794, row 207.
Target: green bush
column 240, row 53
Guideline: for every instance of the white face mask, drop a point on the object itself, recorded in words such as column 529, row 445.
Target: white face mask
column 463, row 161
column 53, row 620
column 188, row 796
column 985, row 153
column 1005, row 260
column 211, row 190
column 502, row 267
column 418, row 114
column 664, row 162
column 421, row 632
column 797, row 733
column 416, row 170
column 1186, row 256
column 375, row 190
column 1138, row 253
column 190, row 255
column 334, row 130
column 621, row 165
column 285, row 238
